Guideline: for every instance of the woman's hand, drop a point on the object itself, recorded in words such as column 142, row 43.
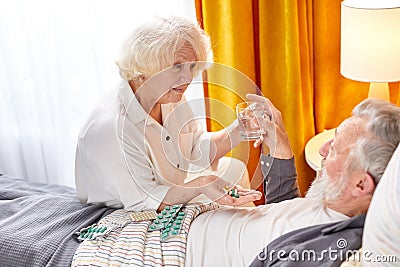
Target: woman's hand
column 245, row 196
column 274, row 132
column 214, row 189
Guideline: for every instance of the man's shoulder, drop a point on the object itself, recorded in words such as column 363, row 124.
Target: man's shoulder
column 318, row 241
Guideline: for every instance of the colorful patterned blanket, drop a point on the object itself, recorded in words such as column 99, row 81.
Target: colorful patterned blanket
column 130, row 243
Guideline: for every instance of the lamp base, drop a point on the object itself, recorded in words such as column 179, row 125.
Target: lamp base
column 379, row 90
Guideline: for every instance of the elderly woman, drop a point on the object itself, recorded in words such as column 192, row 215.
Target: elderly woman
column 136, row 147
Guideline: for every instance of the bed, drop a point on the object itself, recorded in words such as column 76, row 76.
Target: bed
column 40, row 223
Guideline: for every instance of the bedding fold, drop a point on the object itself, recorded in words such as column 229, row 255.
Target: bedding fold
column 38, row 222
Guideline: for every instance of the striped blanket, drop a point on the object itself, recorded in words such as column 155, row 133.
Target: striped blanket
column 128, row 243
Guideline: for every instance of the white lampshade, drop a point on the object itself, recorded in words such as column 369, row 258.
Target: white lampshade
column 370, row 40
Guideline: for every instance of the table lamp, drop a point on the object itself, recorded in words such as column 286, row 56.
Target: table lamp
column 370, row 43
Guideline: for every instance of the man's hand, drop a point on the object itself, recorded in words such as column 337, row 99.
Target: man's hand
column 274, row 132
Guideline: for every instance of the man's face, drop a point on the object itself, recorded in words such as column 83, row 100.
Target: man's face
column 331, row 184
column 346, row 136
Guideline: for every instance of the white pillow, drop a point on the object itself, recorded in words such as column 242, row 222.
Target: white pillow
column 381, row 238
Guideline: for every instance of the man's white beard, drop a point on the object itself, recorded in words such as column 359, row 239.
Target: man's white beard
column 324, row 190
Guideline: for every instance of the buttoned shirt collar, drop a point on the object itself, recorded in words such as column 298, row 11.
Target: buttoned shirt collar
column 131, row 105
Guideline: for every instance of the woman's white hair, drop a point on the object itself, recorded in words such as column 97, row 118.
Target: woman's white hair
column 151, row 47
column 373, row 150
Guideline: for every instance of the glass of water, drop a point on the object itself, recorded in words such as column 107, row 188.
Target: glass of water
column 249, row 114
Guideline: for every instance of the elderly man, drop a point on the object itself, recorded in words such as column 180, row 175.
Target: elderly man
column 355, row 161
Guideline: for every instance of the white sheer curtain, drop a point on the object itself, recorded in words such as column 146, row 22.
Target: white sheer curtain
column 56, row 60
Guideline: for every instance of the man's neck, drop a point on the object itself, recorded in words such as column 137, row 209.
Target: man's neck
column 351, row 207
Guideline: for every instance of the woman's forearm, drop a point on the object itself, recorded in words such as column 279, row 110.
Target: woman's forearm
column 178, row 194
column 224, row 141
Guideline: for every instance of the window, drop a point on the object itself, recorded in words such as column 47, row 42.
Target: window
column 56, row 61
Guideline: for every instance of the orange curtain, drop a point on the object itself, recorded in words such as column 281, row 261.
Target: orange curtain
column 291, row 50
column 231, row 27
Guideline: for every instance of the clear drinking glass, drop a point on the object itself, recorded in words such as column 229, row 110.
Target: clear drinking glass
column 249, row 113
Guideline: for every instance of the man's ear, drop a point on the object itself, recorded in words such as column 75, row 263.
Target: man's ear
column 365, row 185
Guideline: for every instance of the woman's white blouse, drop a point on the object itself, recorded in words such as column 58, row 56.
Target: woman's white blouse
column 125, row 158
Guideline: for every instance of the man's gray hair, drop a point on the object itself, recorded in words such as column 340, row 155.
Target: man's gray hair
column 151, row 47
column 374, row 149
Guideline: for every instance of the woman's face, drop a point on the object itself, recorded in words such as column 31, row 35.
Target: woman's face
column 169, row 85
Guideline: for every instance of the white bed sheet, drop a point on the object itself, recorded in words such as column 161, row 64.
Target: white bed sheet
column 234, row 236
